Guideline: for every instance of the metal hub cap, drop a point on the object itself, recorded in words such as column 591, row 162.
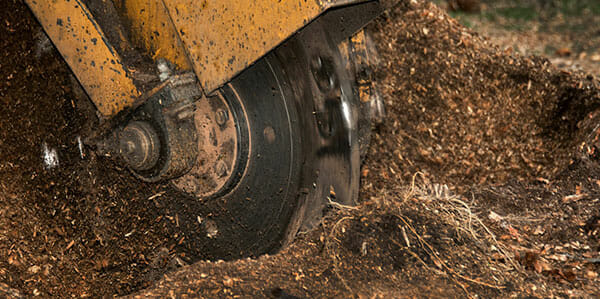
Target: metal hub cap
column 139, row 145
column 221, row 159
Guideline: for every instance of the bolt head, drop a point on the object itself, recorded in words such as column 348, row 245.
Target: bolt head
column 139, row 145
column 222, row 117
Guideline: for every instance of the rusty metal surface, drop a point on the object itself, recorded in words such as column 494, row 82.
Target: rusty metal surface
column 217, row 149
column 151, row 29
column 84, row 47
column 223, row 37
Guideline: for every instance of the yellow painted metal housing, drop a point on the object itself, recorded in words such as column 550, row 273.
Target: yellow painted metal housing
column 151, row 29
column 223, row 37
column 84, row 47
column 217, row 39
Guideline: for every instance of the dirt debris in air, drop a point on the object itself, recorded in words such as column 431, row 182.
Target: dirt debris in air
column 483, row 181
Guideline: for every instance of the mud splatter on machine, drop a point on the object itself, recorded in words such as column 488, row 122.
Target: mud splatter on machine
column 262, row 108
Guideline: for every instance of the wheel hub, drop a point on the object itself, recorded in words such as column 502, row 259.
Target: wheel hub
column 257, row 159
column 222, row 148
column 139, row 145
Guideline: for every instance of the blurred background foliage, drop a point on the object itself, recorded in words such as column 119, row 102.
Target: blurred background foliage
column 519, row 14
column 565, row 31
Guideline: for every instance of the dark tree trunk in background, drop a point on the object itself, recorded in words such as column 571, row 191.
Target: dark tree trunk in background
column 464, row 5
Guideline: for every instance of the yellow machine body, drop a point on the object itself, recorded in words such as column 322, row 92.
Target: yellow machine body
column 217, row 39
column 152, row 30
column 257, row 109
column 84, row 47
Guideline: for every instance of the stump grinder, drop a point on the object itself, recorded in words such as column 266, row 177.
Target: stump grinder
column 258, row 109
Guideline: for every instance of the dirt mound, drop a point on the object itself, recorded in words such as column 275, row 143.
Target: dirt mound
column 483, row 180
column 505, row 132
column 73, row 224
column 465, row 112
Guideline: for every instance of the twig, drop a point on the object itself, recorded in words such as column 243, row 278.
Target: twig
column 335, row 258
column 339, row 205
column 434, row 255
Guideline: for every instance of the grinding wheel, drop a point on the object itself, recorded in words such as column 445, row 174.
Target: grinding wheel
column 283, row 139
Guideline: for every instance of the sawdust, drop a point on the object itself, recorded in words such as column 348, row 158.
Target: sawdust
column 471, row 129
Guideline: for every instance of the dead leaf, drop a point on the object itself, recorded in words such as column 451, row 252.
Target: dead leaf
column 541, row 265
column 569, row 275
column 364, row 173
column 34, row 269
column 514, row 233
column 228, row 282
column 498, row 257
column 563, row 52
column 591, row 274
column 539, row 230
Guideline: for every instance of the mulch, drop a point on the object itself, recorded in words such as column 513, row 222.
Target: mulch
column 483, row 180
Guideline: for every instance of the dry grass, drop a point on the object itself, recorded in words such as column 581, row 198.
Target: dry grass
column 435, row 203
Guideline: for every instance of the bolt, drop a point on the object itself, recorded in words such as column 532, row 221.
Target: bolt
column 139, row 145
column 221, row 169
column 269, row 134
column 323, row 70
column 222, row 117
column 130, row 147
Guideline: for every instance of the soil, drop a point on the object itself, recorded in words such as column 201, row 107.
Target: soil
column 482, row 182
